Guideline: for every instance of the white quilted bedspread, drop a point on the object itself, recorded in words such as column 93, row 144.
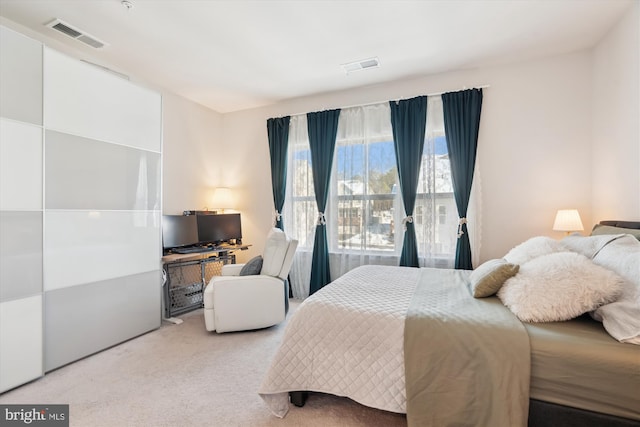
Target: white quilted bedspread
column 347, row 340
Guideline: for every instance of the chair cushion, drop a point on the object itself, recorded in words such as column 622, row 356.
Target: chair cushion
column 275, row 250
column 252, row 267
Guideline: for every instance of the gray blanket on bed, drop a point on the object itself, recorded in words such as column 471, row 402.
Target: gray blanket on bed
column 467, row 360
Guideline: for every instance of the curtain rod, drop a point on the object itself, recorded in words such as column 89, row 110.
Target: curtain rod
column 380, row 102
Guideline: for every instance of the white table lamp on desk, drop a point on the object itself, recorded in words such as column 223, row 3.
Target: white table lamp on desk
column 222, row 199
column 567, row 220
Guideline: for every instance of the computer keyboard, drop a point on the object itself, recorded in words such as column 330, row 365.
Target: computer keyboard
column 193, row 249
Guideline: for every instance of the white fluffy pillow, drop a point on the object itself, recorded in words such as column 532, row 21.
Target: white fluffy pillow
column 533, row 248
column 559, row 286
column 621, row 318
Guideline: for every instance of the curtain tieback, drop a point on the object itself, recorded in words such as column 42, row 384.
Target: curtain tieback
column 460, row 222
column 405, row 220
column 321, row 219
column 278, row 217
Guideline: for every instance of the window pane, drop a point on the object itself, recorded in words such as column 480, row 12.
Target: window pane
column 303, row 175
column 383, row 172
column 435, row 214
column 380, row 230
column 350, row 223
column 303, row 218
column 366, row 183
column 350, row 163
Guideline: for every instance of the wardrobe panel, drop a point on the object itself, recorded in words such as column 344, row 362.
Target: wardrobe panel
column 20, row 341
column 20, row 77
column 82, row 99
column 82, row 173
column 89, row 246
column 20, row 254
column 20, row 165
column 85, row 319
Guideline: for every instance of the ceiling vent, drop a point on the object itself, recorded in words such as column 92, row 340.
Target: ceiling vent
column 361, row 65
column 75, row 33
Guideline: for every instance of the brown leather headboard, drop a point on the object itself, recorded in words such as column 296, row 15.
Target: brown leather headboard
column 623, row 224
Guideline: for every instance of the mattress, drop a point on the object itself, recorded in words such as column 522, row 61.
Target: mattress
column 577, row 364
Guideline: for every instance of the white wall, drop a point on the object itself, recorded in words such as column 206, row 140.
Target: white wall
column 616, row 121
column 534, row 147
column 192, row 147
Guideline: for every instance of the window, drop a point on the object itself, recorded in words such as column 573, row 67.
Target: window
column 363, row 196
column 365, row 213
column 436, row 222
column 300, row 212
column 442, row 214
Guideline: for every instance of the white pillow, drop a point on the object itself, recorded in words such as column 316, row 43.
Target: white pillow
column 533, row 248
column 275, row 250
column 588, row 246
column 621, row 318
column 559, row 286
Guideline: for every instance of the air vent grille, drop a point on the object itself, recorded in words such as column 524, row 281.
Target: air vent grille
column 66, row 30
column 361, row 65
column 91, row 42
column 75, row 33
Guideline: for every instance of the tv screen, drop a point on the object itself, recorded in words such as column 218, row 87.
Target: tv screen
column 219, row 228
column 179, row 230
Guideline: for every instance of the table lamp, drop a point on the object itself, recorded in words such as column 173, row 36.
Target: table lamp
column 568, row 220
column 222, row 199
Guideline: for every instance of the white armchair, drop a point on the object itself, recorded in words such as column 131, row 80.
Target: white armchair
column 237, row 303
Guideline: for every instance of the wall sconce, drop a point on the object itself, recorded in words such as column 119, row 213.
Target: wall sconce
column 568, row 220
column 222, row 199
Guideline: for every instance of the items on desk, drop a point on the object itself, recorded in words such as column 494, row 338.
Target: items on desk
column 185, row 234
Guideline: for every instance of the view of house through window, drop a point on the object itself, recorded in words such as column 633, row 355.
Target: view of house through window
column 365, row 191
column 365, row 212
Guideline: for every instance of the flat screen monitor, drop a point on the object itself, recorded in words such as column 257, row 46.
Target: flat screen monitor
column 219, row 228
column 179, row 230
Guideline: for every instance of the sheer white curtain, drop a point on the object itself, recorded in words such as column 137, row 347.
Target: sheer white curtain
column 364, row 201
column 300, row 211
column 364, row 212
column 474, row 216
column 434, row 211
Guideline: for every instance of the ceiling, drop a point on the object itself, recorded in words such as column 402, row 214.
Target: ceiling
column 232, row 55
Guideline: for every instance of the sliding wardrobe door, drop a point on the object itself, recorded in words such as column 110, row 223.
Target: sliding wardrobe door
column 21, row 193
column 102, row 244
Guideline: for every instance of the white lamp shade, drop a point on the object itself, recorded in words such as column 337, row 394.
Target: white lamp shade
column 568, row 220
column 222, row 198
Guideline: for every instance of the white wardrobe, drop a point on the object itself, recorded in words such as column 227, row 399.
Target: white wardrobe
column 80, row 209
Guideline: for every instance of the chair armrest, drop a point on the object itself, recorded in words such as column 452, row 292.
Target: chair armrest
column 246, row 283
column 231, row 269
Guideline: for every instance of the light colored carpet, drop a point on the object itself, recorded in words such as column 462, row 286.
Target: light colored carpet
column 182, row 375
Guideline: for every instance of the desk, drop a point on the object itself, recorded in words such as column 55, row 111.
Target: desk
column 186, row 275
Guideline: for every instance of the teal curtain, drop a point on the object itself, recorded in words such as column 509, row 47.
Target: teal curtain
column 461, row 125
column 278, row 132
column 322, row 127
column 408, row 121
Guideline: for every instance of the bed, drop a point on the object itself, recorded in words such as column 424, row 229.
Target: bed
column 416, row 341
column 349, row 339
